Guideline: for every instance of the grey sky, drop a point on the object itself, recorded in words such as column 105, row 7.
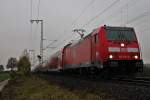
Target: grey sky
column 15, row 28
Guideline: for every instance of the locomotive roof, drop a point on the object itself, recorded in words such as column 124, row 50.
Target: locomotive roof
column 97, row 29
column 119, row 28
column 74, row 43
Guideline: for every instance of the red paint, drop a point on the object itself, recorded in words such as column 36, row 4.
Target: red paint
column 87, row 50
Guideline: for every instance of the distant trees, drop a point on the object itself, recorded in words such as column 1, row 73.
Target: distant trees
column 24, row 65
column 1, row 68
column 12, row 63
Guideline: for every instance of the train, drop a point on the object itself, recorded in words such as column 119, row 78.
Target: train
column 107, row 49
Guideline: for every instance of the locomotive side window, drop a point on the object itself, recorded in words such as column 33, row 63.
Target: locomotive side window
column 96, row 40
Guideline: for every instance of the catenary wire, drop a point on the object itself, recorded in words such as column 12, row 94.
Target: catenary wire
column 103, row 11
column 100, row 13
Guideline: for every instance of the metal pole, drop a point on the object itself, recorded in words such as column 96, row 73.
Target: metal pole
column 41, row 47
column 41, row 42
column 32, row 56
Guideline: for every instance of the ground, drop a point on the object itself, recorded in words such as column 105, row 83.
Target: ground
column 36, row 88
column 146, row 71
column 56, row 87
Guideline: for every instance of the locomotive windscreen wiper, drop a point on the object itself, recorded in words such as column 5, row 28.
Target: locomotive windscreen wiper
column 123, row 36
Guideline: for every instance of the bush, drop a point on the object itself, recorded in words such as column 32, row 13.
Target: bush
column 24, row 66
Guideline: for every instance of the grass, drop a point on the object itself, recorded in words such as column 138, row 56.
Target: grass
column 4, row 76
column 35, row 88
column 40, row 87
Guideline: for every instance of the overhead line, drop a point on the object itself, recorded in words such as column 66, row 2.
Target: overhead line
column 82, row 12
column 98, row 15
column 139, row 17
column 102, row 12
column 76, row 19
column 130, row 21
column 119, row 10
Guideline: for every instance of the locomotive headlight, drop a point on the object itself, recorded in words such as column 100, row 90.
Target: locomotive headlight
column 136, row 57
column 110, row 56
column 122, row 45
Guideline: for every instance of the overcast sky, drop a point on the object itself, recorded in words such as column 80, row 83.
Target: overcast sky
column 61, row 17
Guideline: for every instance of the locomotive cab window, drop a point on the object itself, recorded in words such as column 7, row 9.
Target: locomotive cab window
column 124, row 34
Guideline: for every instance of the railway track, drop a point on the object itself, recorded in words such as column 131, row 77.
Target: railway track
column 141, row 81
column 144, row 81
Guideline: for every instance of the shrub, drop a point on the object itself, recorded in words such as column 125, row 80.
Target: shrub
column 24, row 66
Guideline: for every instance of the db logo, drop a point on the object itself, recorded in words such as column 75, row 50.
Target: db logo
column 125, row 57
column 123, row 49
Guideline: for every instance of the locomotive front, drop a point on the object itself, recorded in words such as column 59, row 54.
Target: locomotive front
column 122, row 50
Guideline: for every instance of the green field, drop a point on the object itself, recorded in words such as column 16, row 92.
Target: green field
column 4, row 76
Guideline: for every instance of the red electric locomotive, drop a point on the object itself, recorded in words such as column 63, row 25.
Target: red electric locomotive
column 106, row 49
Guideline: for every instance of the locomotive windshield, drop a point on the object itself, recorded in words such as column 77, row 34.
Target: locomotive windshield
column 124, row 34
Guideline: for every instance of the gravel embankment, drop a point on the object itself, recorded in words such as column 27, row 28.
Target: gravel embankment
column 105, row 89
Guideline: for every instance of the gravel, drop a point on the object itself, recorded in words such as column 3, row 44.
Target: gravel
column 105, row 89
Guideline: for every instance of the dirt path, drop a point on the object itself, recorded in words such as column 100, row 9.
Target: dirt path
column 2, row 84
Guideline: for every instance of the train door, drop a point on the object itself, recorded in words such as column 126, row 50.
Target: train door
column 95, row 52
column 63, row 57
